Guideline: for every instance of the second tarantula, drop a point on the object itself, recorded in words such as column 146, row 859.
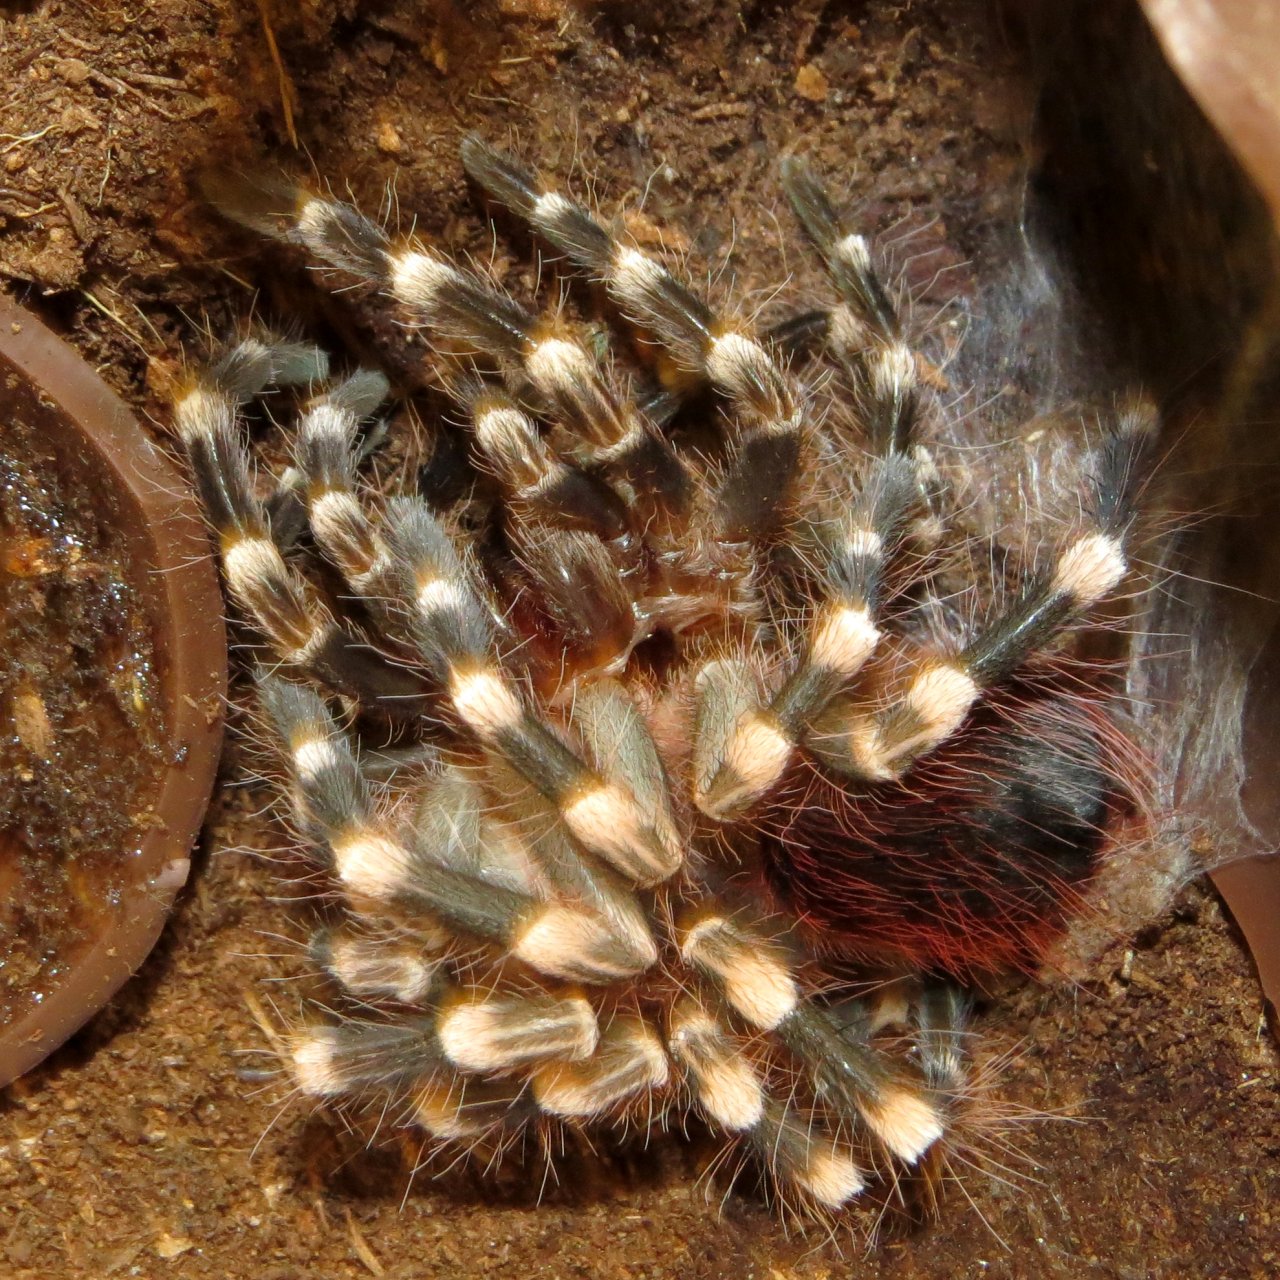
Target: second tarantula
column 694, row 804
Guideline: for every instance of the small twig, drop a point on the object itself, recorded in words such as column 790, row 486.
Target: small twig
column 15, row 140
column 361, row 1246
column 231, row 275
column 265, row 1024
column 282, row 76
column 154, row 82
column 120, row 86
column 80, row 222
column 98, row 305
column 720, row 111
column 23, row 214
column 76, row 42
column 106, row 176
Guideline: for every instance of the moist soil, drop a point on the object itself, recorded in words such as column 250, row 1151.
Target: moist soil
column 153, row 1145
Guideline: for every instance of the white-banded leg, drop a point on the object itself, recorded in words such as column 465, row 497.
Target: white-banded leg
column 325, row 455
column 865, row 328
column 848, row 1076
column 570, row 535
column 381, row 871
column 629, row 1064
column 288, row 610
column 750, row 752
column 628, row 1067
column 941, row 1012
column 465, row 1030
column 400, row 964
column 520, row 840
column 941, row 691
column 468, row 311
column 728, row 1090
column 759, row 478
column 536, row 482
column 453, row 632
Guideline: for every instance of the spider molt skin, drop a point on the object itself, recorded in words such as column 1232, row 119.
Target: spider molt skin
column 662, row 771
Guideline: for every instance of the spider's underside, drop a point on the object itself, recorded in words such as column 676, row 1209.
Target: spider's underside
column 686, row 733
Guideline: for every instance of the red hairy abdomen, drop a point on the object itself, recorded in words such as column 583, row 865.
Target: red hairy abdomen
column 972, row 864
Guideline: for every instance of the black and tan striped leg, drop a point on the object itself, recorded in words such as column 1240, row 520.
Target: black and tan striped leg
column 758, row 486
column 751, row 750
column 444, row 874
column 941, row 691
column 472, row 316
column 293, row 615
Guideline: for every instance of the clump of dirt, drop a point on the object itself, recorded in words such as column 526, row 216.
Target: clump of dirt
column 147, row 1146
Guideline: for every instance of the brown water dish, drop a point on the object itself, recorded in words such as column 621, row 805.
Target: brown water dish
column 111, row 683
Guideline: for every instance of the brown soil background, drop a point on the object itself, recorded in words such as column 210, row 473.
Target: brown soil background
column 140, row 1149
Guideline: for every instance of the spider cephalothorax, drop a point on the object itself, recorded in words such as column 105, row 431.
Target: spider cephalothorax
column 674, row 723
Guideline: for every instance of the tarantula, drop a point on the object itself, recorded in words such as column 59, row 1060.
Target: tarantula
column 704, row 793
